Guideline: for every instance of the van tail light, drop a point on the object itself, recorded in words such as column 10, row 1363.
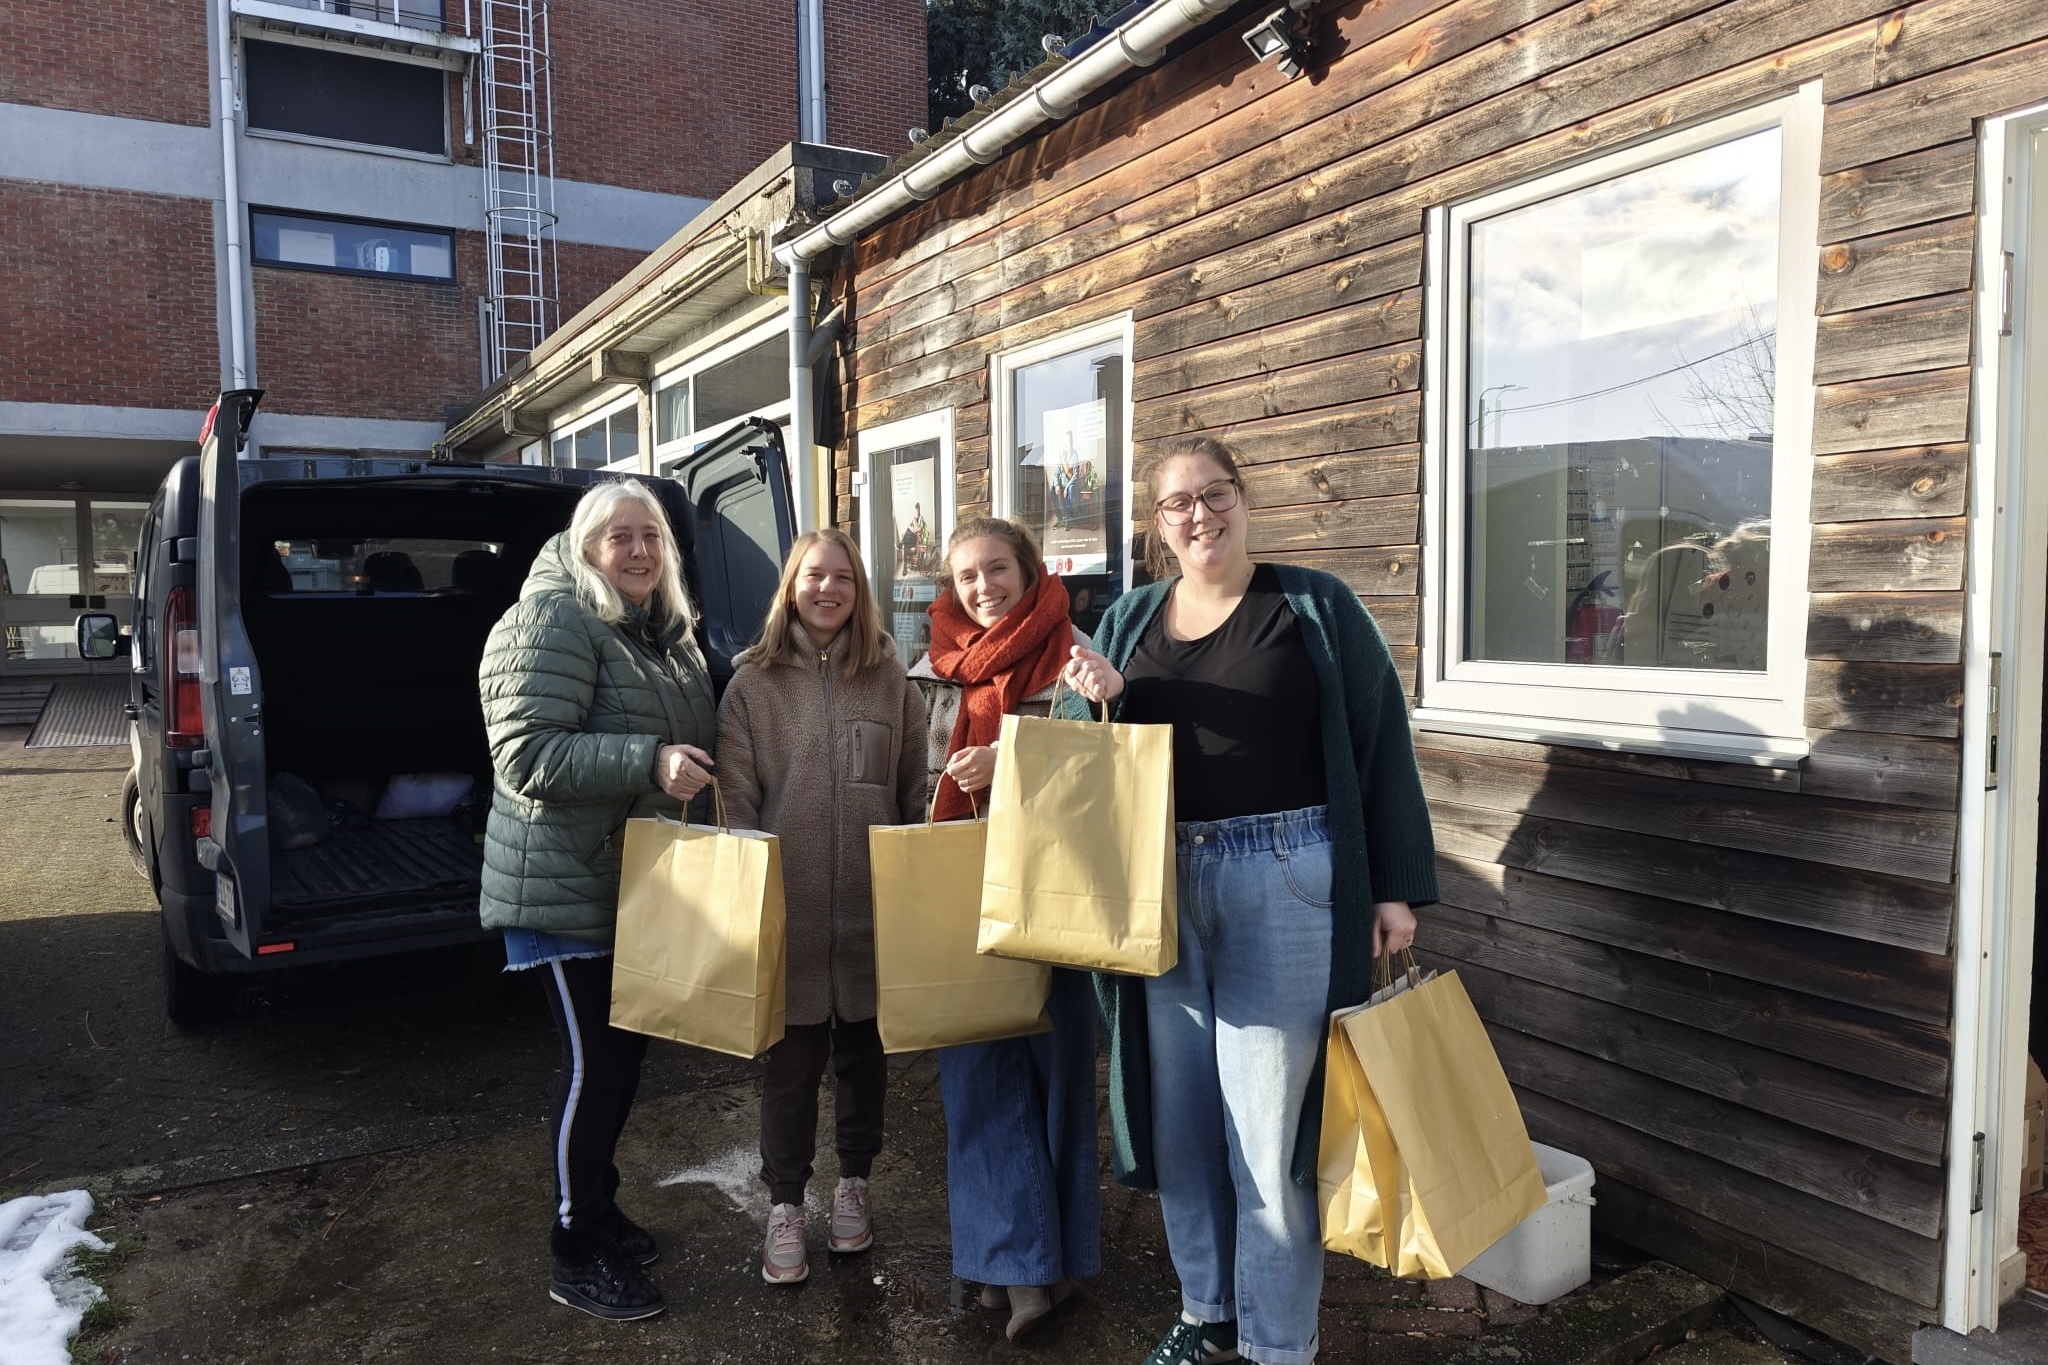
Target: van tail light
column 202, row 822
column 184, row 725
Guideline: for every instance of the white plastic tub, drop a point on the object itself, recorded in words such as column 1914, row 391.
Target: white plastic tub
column 1549, row 1253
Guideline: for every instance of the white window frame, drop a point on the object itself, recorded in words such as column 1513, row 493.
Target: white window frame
column 594, row 417
column 668, row 453
column 1003, row 367
column 909, row 431
column 1756, row 717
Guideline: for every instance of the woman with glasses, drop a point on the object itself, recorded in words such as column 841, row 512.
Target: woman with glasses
column 1303, row 847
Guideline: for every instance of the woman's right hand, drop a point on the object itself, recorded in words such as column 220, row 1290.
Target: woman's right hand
column 973, row 768
column 682, row 770
column 1092, row 676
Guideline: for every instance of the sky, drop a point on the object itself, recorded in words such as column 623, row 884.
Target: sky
column 1612, row 306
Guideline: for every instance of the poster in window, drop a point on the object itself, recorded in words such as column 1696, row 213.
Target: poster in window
column 913, row 506
column 912, row 556
column 1074, row 467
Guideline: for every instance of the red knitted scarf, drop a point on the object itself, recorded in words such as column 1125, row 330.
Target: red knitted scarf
column 996, row 666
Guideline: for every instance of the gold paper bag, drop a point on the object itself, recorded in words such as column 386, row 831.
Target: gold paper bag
column 1424, row 1161
column 699, row 957
column 931, row 988
column 1080, row 846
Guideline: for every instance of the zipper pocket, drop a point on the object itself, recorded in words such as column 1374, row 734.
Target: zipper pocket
column 868, row 745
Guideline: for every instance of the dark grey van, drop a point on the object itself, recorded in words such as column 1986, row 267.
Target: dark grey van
column 306, row 638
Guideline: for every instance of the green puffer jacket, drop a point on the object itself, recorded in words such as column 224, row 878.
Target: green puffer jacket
column 575, row 711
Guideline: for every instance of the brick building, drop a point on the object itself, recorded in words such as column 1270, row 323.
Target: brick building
column 327, row 237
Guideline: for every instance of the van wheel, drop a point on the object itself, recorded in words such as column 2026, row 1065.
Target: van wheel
column 131, row 825
column 191, row 997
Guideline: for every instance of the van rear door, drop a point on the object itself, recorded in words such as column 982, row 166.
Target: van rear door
column 742, row 521
column 231, row 692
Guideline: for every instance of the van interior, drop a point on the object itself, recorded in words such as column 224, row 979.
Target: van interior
column 367, row 606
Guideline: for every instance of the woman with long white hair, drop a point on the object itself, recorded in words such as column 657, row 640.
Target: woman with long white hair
column 598, row 708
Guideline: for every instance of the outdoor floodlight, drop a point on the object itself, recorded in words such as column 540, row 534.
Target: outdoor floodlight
column 1276, row 40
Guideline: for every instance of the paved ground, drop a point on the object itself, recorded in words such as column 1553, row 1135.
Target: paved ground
column 315, row 1064
column 352, row 1166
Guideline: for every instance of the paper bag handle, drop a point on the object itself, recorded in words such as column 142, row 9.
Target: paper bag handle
column 1383, row 970
column 1059, row 685
column 931, row 810
column 718, row 807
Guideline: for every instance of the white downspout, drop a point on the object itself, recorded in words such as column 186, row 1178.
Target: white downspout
column 1139, row 43
column 810, row 70
column 231, row 195
column 803, row 417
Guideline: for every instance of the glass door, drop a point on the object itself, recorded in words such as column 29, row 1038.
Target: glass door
column 60, row 557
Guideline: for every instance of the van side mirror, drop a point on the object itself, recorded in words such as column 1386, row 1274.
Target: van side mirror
column 100, row 637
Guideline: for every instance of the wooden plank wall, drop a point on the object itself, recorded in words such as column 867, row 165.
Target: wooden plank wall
column 1729, row 987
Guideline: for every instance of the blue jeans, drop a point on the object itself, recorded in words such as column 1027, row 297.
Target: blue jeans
column 1022, row 1180
column 1236, row 1027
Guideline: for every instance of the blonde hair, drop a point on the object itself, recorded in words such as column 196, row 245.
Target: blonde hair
column 670, row 601
column 870, row 644
column 1020, row 540
column 1158, row 563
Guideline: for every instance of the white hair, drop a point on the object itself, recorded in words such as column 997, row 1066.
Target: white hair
column 670, row 601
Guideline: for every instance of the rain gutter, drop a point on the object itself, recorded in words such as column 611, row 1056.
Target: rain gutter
column 1136, row 44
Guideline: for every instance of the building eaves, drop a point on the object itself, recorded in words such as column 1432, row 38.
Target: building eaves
column 1113, row 51
column 1019, row 85
column 709, row 254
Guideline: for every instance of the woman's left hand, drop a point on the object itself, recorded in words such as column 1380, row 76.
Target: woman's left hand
column 1393, row 927
column 682, row 770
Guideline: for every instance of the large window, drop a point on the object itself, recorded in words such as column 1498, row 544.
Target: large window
column 1061, row 456
column 334, row 96
column 1624, row 437
column 745, row 377
column 906, row 512
column 604, row 440
column 351, row 248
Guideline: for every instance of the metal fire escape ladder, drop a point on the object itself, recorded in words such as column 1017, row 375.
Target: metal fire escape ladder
column 519, row 176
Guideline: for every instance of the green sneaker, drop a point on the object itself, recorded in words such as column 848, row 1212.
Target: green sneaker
column 1196, row 1343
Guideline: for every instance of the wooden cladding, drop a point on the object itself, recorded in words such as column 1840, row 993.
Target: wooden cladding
column 1728, row 985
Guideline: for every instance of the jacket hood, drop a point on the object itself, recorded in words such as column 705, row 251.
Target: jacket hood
column 551, row 574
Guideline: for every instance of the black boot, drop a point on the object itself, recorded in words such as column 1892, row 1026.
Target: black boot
column 625, row 1234
column 593, row 1274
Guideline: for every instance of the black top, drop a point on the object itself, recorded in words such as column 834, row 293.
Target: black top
column 1243, row 703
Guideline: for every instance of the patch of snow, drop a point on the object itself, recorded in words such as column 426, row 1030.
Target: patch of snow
column 737, row 1176
column 41, row 1298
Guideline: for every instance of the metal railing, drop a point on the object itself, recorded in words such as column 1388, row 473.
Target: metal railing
column 437, row 16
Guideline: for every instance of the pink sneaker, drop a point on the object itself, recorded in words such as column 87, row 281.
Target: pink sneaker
column 784, row 1259
column 853, row 1225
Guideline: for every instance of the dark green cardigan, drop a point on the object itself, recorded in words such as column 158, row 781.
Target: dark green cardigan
column 1381, row 845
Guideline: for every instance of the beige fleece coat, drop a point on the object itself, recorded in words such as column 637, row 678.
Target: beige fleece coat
column 814, row 757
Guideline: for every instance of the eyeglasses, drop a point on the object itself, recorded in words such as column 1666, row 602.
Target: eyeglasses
column 1179, row 509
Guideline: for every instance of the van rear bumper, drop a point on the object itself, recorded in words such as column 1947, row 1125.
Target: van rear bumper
column 361, row 935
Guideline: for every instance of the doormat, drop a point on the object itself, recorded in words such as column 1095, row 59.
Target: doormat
column 82, row 713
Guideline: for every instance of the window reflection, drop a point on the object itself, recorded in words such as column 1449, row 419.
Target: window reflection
column 1067, row 471
column 1619, row 418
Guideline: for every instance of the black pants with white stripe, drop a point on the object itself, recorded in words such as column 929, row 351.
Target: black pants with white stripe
column 600, row 1072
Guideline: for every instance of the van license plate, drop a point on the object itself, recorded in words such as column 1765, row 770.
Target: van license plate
column 224, row 898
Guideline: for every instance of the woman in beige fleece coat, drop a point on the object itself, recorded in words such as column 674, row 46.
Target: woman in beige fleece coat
column 820, row 735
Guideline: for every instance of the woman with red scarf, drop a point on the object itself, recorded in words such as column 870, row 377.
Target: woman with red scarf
column 1020, row 1114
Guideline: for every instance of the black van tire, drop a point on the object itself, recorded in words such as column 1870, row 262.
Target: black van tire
column 131, row 825
column 191, row 997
